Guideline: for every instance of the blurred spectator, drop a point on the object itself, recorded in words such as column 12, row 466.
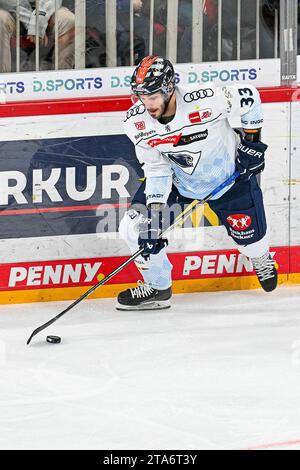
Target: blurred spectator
column 229, row 30
column 184, row 29
column 160, row 27
column 269, row 9
column 95, row 34
column 140, row 30
column 65, row 22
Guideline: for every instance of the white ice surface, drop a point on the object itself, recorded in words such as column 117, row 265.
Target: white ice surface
column 216, row 371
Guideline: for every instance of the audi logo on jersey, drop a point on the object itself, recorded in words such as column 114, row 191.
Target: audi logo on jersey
column 239, row 221
column 198, row 95
column 140, row 109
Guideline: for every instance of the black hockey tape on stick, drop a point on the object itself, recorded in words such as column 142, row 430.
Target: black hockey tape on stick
column 178, row 220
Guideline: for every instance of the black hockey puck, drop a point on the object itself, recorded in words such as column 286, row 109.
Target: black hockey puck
column 53, row 339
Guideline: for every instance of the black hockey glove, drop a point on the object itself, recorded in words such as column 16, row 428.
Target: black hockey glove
column 150, row 230
column 251, row 158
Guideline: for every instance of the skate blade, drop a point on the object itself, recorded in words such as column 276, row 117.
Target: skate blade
column 154, row 305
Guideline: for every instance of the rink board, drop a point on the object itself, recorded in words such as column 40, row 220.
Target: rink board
column 192, row 272
column 53, row 85
column 65, row 181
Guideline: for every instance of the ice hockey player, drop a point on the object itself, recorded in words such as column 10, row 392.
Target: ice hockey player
column 187, row 148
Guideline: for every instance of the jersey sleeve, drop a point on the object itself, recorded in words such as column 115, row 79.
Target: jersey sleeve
column 157, row 170
column 244, row 101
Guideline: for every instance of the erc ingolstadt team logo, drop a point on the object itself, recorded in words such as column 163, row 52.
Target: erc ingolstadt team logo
column 239, row 221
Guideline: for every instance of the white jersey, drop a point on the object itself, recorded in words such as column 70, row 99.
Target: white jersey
column 196, row 151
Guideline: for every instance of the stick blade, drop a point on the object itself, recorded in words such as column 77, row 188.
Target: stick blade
column 41, row 328
column 30, row 338
column 35, row 332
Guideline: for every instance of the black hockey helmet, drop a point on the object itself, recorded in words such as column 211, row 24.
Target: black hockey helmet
column 153, row 74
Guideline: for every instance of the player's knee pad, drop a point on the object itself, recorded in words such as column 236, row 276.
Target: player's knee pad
column 129, row 225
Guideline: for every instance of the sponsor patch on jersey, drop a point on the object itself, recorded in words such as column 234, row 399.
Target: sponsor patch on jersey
column 144, row 134
column 206, row 114
column 200, row 116
column 154, row 196
column 140, row 125
column 229, row 98
column 132, row 213
column 194, row 117
column 239, row 221
column 187, row 161
column 189, row 139
column 255, row 123
column 170, row 139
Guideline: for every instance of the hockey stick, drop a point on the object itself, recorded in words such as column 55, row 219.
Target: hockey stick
column 178, row 220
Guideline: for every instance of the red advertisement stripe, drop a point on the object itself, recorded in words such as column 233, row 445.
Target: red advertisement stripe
column 117, row 103
column 43, row 210
column 86, row 272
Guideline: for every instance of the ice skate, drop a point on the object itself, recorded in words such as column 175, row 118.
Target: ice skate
column 266, row 271
column 144, row 297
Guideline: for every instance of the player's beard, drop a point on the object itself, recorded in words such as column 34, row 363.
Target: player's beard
column 163, row 108
column 157, row 112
